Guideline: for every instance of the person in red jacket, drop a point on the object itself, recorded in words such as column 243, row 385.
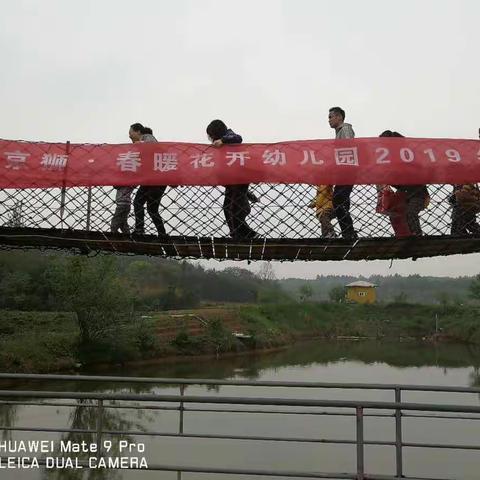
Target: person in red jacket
column 409, row 202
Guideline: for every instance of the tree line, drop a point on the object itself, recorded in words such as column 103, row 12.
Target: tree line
column 393, row 288
column 30, row 281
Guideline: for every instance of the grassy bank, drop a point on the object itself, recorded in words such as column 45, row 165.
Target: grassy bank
column 389, row 321
column 37, row 341
column 48, row 342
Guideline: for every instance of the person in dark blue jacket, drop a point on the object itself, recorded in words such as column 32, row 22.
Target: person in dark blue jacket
column 236, row 205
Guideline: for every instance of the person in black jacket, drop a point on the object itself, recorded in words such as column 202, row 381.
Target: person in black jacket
column 147, row 194
column 236, row 205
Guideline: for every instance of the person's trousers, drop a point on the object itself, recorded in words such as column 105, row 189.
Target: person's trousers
column 341, row 210
column 119, row 221
column 326, row 226
column 236, row 208
column 400, row 225
column 414, row 206
column 152, row 196
column 464, row 221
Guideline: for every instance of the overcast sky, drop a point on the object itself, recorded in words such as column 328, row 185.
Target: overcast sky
column 84, row 70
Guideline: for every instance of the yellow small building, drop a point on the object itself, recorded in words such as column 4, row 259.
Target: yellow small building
column 361, row 292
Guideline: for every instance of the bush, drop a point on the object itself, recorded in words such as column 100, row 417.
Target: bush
column 218, row 337
column 29, row 354
column 143, row 334
column 113, row 347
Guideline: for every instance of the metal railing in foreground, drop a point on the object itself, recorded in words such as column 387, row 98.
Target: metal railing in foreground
column 256, row 405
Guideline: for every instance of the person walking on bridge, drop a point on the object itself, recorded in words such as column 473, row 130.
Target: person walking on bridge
column 236, row 205
column 341, row 193
column 323, row 205
column 151, row 195
column 415, row 198
column 465, row 202
column 123, row 205
column 123, row 201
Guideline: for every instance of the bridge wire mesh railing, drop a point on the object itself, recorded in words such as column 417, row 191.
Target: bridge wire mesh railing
column 281, row 212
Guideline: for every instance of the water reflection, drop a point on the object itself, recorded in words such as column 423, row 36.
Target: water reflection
column 363, row 361
column 252, row 366
column 8, row 419
column 85, row 417
column 475, row 377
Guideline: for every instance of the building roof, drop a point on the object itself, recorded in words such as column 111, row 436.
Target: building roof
column 361, row 283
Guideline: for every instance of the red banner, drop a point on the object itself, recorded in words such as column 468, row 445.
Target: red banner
column 335, row 162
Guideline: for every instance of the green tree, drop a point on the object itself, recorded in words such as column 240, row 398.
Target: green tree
column 400, row 298
column 305, row 292
column 188, row 298
column 169, row 300
column 92, row 289
column 15, row 289
column 271, row 292
column 337, row 294
column 444, row 299
column 474, row 288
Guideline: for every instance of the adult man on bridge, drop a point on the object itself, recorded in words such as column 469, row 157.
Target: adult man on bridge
column 341, row 193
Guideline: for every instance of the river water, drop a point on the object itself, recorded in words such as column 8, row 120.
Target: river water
column 369, row 362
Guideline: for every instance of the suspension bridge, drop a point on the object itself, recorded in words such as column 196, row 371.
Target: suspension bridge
column 60, row 196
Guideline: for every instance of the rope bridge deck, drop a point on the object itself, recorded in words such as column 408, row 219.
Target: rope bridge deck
column 229, row 249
